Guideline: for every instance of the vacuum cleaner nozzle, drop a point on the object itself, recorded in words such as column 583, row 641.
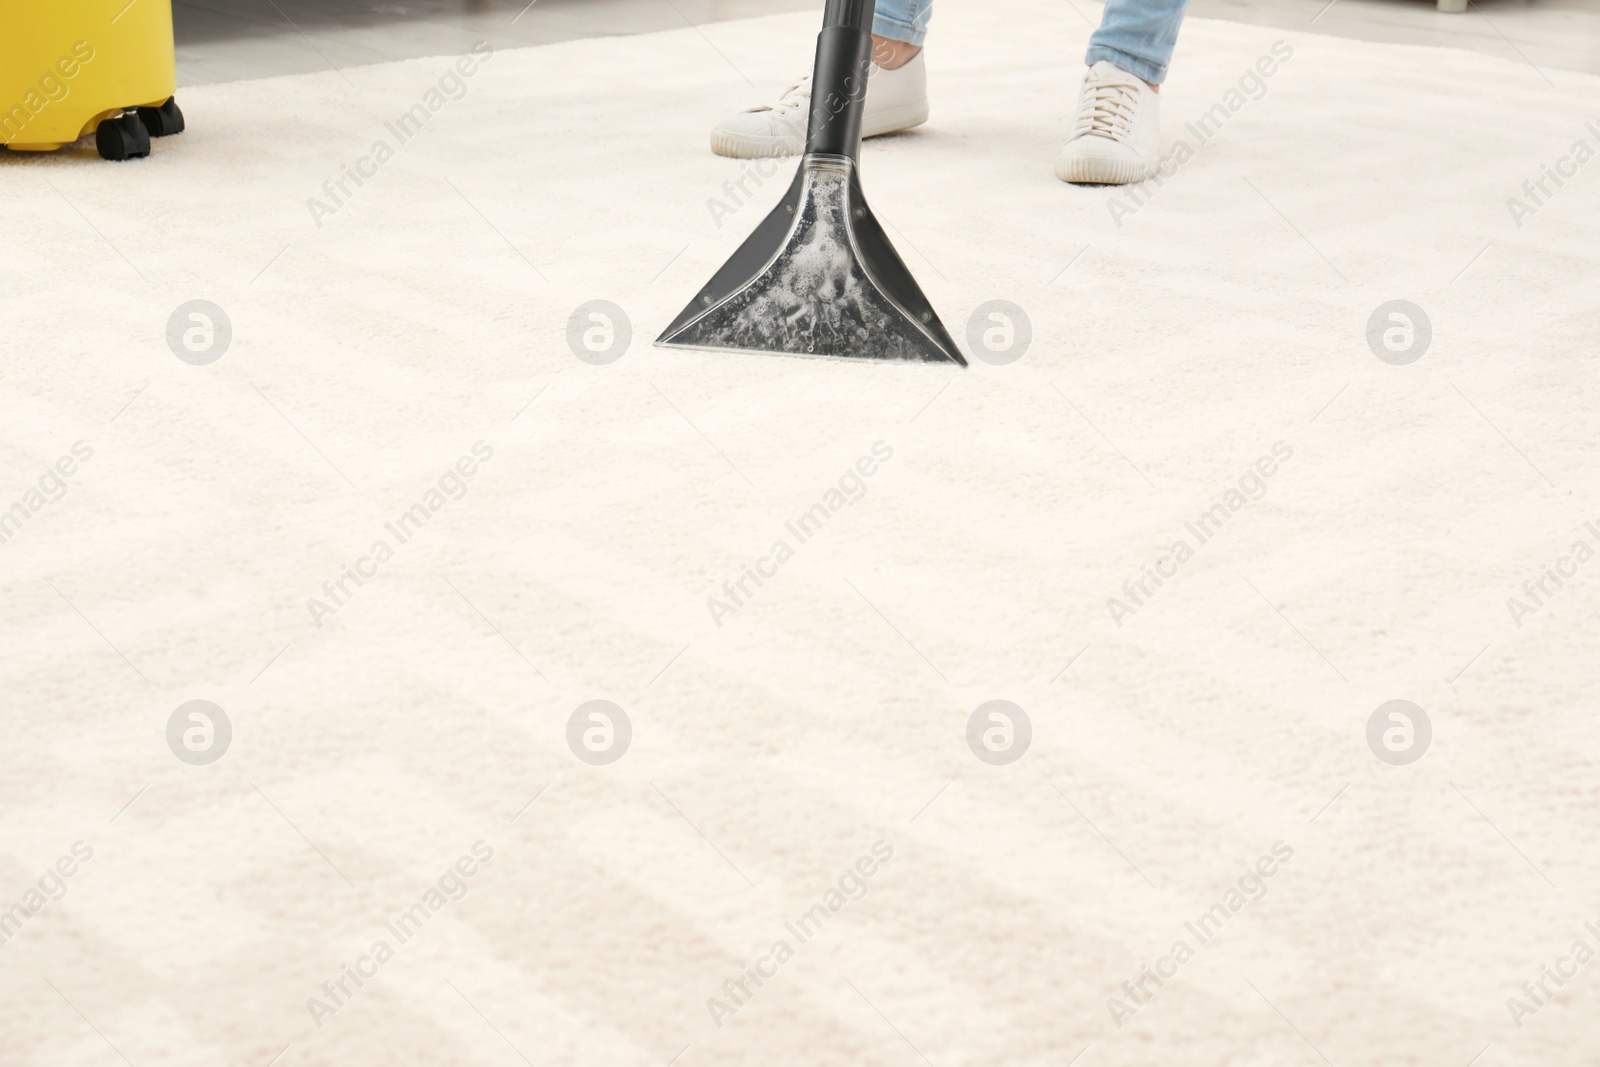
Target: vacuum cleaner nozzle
column 818, row 277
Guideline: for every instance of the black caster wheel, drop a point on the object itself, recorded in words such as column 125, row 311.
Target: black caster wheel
column 163, row 121
column 123, row 138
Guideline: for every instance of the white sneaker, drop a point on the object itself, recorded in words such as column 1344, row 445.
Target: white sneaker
column 896, row 100
column 1116, row 138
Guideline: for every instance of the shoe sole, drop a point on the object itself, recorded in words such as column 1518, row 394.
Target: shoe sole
column 745, row 146
column 1097, row 170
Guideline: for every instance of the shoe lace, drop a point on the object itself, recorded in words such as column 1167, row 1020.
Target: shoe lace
column 796, row 98
column 1107, row 110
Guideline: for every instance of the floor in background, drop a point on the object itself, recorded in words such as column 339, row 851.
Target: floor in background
column 1563, row 34
column 1211, row 352
column 229, row 40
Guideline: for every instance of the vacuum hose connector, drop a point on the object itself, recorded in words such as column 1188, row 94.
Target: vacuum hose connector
column 839, row 80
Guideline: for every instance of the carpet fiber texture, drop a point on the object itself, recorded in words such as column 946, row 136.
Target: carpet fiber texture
column 1222, row 509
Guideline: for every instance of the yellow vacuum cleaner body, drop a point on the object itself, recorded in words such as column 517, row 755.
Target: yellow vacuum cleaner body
column 91, row 66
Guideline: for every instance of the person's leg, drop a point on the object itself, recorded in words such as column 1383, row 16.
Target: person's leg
column 891, row 54
column 1138, row 36
column 899, row 28
column 1116, row 134
column 897, row 94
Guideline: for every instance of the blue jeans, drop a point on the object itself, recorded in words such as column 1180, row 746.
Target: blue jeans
column 1136, row 35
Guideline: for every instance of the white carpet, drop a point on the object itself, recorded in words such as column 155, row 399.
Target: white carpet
column 770, row 753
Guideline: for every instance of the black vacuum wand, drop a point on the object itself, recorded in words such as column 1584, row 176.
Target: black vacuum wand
column 818, row 277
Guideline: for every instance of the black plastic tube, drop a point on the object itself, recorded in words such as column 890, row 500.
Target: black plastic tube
column 839, row 80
